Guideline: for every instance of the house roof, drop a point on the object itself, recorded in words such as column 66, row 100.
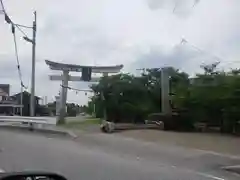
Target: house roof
column 25, row 92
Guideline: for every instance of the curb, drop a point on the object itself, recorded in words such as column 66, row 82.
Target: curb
column 39, row 130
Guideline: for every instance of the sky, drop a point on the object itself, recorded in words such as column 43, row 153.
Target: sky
column 135, row 33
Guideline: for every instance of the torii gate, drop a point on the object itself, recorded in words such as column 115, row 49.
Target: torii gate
column 65, row 77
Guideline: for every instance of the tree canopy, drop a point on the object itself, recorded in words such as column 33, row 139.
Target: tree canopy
column 211, row 96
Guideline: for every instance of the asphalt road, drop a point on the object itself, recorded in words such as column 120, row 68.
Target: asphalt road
column 109, row 157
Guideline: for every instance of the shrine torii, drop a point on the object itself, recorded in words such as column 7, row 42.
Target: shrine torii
column 86, row 75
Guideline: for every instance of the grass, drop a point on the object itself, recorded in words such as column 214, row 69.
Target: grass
column 82, row 124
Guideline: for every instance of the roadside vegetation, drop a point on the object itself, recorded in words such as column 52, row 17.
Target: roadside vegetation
column 82, row 123
column 211, row 97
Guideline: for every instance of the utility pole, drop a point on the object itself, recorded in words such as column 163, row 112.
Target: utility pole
column 32, row 102
column 33, row 41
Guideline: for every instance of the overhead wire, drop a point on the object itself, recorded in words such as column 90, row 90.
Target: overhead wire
column 20, row 25
column 17, row 58
column 175, row 6
column 75, row 89
column 177, row 1
column 21, row 30
column 13, row 25
column 184, row 41
column 195, row 3
column 7, row 18
column 3, row 9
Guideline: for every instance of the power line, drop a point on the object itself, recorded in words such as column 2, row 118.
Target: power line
column 184, row 41
column 75, row 89
column 177, row 1
column 20, row 25
column 8, row 20
column 195, row 3
column 175, row 7
column 17, row 58
column 21, row 30
column 82, row 90
column 3, row 9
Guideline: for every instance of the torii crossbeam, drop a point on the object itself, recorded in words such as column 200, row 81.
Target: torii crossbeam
column 65, row 77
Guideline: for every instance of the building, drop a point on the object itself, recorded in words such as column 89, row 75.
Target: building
column 11, row 105
column 4, row 91
column 26, row 96
column 3, row 95
column 7, row 105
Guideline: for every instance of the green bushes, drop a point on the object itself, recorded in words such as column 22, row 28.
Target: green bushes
column 212, row 97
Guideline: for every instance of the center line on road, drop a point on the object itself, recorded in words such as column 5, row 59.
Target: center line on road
column 199, row 173
column 210, row 176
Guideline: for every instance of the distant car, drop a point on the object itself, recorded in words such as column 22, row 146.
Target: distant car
column 83, row 113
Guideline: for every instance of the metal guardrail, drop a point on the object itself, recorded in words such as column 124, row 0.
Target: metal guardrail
column 30, row 120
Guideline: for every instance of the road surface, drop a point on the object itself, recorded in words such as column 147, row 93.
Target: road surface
column 108, row 157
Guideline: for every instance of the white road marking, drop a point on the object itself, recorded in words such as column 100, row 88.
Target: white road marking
column 210, row 176
column 219, row 154
column 198, row 173
column 205, row 175
column 202, row 174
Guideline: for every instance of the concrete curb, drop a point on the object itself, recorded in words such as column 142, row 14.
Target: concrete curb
column 39, row 130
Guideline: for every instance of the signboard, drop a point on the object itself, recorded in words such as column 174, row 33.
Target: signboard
column 86, row 74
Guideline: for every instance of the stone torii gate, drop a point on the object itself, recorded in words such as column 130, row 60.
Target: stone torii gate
column 86, row 76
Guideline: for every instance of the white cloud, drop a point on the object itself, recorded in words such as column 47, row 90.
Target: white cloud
column 136, row 33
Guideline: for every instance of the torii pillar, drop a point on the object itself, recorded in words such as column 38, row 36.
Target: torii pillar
column 63, row 96
column 165, row 91
column 65, row 77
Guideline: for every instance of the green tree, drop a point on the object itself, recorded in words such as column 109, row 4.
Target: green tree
column 211, row 96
